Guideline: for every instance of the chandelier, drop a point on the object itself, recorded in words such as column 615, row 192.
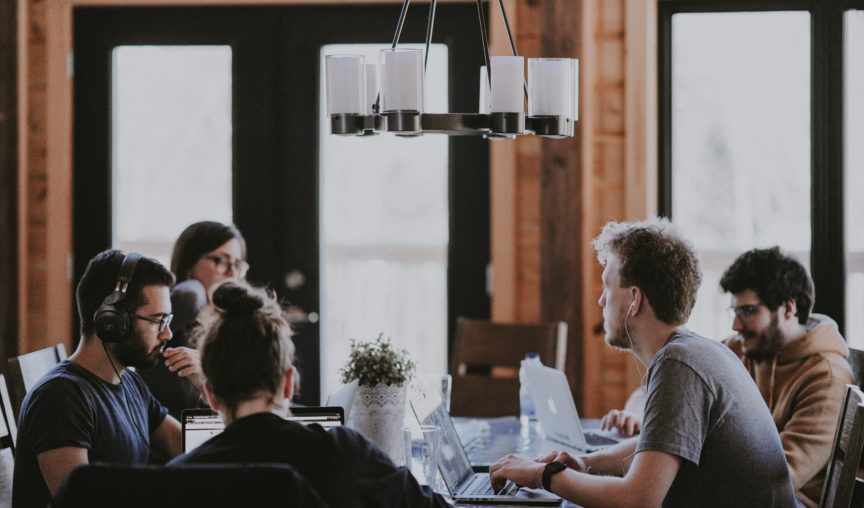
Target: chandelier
column 389, row 96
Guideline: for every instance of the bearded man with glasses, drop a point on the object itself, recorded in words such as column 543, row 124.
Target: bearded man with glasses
column 798, row 359
column 92, row 407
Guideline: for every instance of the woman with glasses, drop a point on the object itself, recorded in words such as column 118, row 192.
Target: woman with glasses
column 247, row 356
column 205, row 254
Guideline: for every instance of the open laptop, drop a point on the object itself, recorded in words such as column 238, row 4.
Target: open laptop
column 556, row 410
column 199, row 425
column 464, row 485
column 344, row 398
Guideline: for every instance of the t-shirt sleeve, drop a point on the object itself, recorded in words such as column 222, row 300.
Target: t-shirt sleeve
column 58, row 415
column 156, row 412
column 677, row 412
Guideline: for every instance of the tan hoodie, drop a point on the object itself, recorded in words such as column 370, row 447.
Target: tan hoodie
column 804, row 385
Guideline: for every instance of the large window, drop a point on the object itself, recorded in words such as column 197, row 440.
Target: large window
column 854, row 166
column 752, row 152
column 384, row 233
column 171, row 120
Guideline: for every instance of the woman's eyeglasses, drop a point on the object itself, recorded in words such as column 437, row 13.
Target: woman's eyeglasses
column 222, row 263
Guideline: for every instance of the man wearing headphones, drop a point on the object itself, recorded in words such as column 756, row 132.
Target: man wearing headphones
column 91, row 408
column 707, row 438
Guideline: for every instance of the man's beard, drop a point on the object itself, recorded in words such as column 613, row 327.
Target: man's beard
column 618, row 336
column 133, row 352
column 768, row 342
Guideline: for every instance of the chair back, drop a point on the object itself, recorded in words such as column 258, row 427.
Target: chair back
column 8, row 434
column 856, row 361
column 26, row 370
column 101, row 485
column 486, row 360
column 842, row 471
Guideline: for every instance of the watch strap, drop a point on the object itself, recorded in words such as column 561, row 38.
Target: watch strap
column 549, row 471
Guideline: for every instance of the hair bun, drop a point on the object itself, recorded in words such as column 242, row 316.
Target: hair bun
column 232, row 297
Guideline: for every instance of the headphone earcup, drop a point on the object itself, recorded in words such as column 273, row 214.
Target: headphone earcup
column 110, row 322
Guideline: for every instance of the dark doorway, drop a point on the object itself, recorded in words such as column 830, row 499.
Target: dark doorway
column 275, row 115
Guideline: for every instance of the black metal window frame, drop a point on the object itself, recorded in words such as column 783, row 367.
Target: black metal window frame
column 827, row 250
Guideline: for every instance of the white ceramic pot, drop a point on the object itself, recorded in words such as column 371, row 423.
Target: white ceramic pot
column 379, row 413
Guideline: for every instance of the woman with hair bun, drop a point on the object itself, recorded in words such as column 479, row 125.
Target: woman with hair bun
column 247, row 357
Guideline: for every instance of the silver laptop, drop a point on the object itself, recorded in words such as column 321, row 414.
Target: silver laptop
column 556, row 411
column 344, row 398
column 199, row 425
column 462, row 482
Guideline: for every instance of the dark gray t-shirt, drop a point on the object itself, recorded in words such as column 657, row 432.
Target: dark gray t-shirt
column 71, row 406
column 703, row 407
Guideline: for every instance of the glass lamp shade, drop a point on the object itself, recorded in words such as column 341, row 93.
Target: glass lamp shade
column 346, row 84
column 371, row 86
column 508, row 77
column 553, row 87
column 402, row 80
column 485, row 105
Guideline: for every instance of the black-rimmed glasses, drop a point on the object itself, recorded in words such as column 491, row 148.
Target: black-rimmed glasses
column 744, row 312
column 163, row 322
column 222, row 263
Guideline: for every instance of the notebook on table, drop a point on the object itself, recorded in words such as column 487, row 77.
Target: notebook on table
column 462, row 482
column 199, row 425
column 556, row 411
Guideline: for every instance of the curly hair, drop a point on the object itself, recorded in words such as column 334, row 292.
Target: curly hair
column 776, row 277
column 246, row 348
column 657, row 258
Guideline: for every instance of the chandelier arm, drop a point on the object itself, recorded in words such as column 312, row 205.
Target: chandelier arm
column 507, row 27
column 430, row 24
column 512, row 40
column 485, row 40
column 400, row 23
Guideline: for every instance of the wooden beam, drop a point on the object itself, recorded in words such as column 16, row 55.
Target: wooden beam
column 8, row 178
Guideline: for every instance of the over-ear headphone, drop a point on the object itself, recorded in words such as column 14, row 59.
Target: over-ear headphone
column 111, row 321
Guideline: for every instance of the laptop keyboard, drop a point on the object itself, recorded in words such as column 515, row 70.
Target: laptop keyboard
column 482, row 486
column 598, row 440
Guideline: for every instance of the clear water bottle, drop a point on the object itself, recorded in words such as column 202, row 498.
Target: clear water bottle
column 526, row 403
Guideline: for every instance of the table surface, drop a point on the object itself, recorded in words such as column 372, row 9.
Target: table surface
column 488, row 439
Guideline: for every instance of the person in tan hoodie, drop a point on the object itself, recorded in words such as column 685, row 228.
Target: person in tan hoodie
column 797, row 359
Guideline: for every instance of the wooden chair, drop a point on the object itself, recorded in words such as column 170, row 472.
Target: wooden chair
column 842, row 474
column 485, row 366
column 26, row 370
column 103, row 485
column 856, row 361
column 8, row 435
column 7, row 417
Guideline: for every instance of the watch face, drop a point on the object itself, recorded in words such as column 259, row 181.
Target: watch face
column 556, row 467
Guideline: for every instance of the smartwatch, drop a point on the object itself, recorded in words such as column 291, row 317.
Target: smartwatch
column 551, row 469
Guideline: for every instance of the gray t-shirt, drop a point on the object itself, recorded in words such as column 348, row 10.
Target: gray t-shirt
column 703, row 407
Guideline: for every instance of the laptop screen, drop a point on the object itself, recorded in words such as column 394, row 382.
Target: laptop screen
column 454, row 465
column 199, row 425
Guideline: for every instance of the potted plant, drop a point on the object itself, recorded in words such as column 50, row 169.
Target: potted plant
column 383, row 373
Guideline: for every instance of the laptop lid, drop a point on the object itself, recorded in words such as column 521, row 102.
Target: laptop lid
column 344, row 397
column 199, row 425
column 327, row 416
column 554, row 405
column 454, row 465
